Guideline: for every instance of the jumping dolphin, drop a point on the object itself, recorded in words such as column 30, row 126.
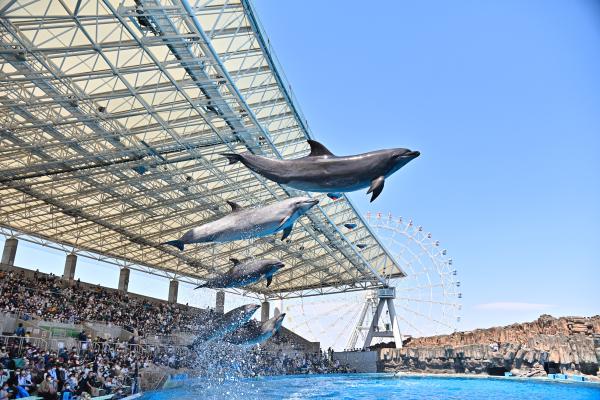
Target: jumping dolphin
column 221, row 325
column 254, row 332
column 246, row 223
column 245, row 273
column 321, row 171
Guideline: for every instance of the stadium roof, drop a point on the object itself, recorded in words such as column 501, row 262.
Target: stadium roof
column 113, row 116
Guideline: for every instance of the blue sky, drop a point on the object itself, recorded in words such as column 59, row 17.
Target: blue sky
column 502, row 99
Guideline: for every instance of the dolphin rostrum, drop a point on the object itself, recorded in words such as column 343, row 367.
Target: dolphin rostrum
column 245, row 273
column 246, row 223
column 221, row 325
column 321, row 171
column 254, row 332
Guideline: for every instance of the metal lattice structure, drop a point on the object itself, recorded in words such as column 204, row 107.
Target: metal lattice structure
column 113, row 116
column 427, row 301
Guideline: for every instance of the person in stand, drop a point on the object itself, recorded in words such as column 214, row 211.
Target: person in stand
column 19, row 391
column 4, row 376
column 82, row 336
column 67, row 393
column 20, row 331
column 84, row 385
column 24, row 380
column 48, row 389
column 4, row 393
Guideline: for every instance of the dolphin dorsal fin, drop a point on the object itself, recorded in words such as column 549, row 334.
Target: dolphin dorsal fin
column 317, row 149
column 234, row 206
column 235, row 261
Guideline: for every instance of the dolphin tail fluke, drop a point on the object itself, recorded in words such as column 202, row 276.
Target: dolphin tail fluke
column 232, row 157
column 176, row 243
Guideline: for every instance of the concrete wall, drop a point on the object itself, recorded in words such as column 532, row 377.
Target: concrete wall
column 290, row 343
column 8, row 323
column 107, row 330
column 177, row 339
column 361, row 361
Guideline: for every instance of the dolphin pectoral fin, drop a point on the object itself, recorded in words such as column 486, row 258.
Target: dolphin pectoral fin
column 317, row 149
column 234, row 206
column 201, row 286
column 269, row 280
column 232, row 157
column 286, row 232
column 235, row 261
column 283, row 222
column 376, row 187
column 177, row 243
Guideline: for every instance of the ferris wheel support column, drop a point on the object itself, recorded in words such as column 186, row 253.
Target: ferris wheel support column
column 386, row 296
column 395, row 326
column 351, row 344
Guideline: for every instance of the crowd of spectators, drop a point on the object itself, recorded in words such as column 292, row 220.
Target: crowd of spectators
column 280, row 363
column 91, row 368
column 46, row 297
column 226, row 360
column 98, row 366
column 83, row 372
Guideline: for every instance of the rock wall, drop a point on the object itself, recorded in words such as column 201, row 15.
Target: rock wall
column 547, row 345
column 515, row 333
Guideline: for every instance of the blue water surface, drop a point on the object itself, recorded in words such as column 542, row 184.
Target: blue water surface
column 377, row 386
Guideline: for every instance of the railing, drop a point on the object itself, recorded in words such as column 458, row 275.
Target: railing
column 145, row 350
column 12, row 340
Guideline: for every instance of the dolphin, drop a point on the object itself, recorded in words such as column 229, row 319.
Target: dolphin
column 245, row 273
column 321, row 171
column 254, row 332
column 246, row 223
column 221, row 325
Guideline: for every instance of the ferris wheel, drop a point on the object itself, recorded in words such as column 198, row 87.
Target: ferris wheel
column 425, row 302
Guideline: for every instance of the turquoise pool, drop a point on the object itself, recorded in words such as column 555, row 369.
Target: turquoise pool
column 377, row 386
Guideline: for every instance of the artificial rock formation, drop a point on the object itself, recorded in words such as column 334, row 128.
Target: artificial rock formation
column 547, row 345
column 515, row 333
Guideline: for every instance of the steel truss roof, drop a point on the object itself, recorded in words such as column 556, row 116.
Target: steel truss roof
column 113, row 116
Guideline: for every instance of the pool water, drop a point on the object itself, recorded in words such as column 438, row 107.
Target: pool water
column 377, row 386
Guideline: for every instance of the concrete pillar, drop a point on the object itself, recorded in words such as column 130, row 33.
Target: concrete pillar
column 220, row 306
column 264, row 311
column 124, row 279
column 173, row 289
column 70, row 264
column 10, row 251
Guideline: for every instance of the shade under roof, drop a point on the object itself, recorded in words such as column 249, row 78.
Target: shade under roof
column 113, row 117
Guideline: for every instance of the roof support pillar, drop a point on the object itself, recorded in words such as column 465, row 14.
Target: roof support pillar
column 265, row 311
column 173, row 290
column 10, row 251
column 220, row 304
column 70, row 265
column 124, row 279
